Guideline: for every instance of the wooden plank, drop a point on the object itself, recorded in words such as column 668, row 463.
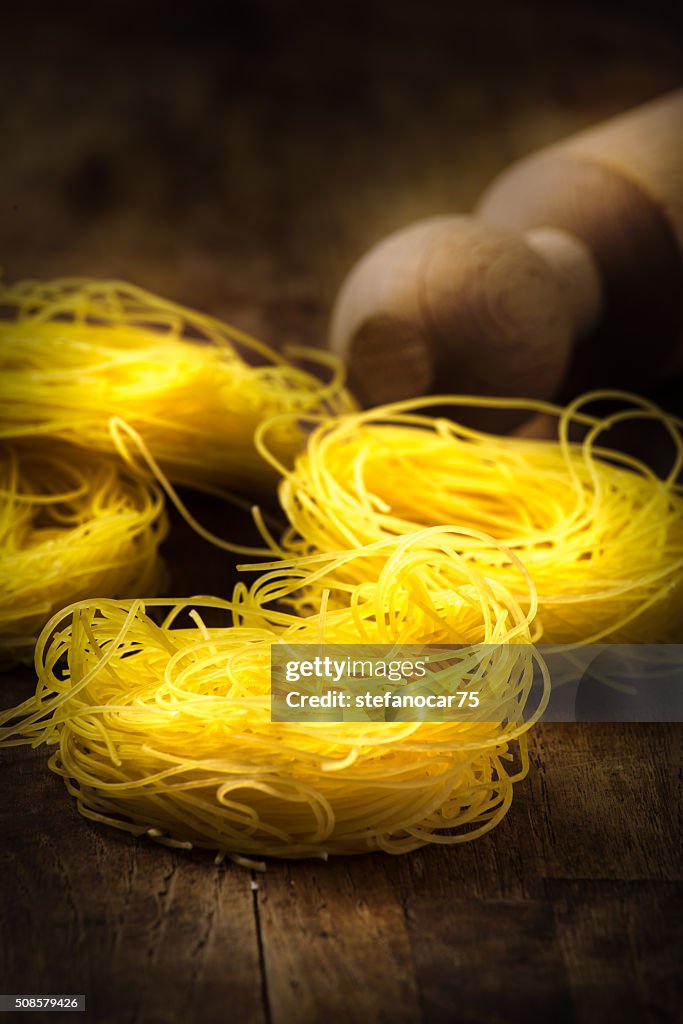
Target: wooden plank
column 147, row 934
column 358, row 937
column 336, row 944
column 621, row 944
column 494, row 961
column 604, row 801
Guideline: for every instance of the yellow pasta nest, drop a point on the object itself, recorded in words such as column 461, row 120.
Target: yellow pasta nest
column 599, row 532
column 86, row 364
column 71, row 526
column 75, row 353
column 162, row 722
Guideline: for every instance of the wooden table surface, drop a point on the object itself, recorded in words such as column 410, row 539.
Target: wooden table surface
column 569, row 911
column 243, row 172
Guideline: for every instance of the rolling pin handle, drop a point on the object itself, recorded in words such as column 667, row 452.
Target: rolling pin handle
column 576, row 273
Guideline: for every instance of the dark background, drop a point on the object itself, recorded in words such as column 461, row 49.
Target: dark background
column 242, row 163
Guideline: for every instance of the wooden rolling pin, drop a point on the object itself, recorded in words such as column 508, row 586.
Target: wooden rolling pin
column 569, row 276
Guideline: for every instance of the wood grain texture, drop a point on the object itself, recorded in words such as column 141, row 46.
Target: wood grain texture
column 620, row 943
column 336, row 943
column 244, row 172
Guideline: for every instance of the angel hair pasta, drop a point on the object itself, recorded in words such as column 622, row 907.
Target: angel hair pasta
column 600, row 532
column 69, row 527
column 75, row 353
column 162, row 723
